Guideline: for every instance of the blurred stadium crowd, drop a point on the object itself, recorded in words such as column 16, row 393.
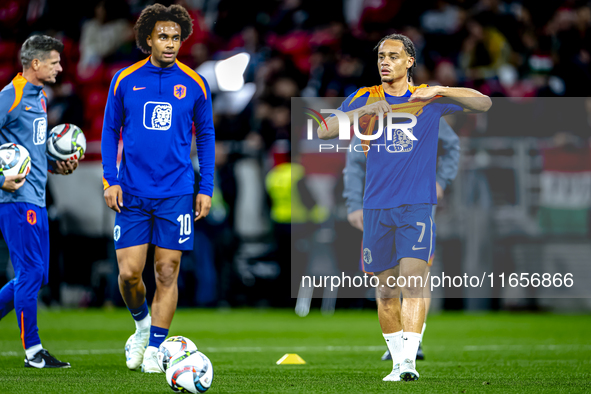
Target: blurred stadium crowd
column 521, row 48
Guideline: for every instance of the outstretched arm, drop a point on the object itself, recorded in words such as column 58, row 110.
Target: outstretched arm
column 469, row 99
column 333, row 122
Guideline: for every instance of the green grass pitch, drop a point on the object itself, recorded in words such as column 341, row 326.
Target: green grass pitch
column 466, row 353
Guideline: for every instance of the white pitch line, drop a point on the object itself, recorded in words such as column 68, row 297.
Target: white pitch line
column 258, row 349
column 78, row 352
column 532, row 347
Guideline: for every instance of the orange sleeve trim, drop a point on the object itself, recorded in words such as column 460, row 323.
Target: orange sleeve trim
column 105, row 184
column 193, row 75
column 19, row 83
column 377, row 91
column 23, row 329
column 360, row 93
column 412, row 88
column 45, row 94
column 374, row 91
column 128, row 71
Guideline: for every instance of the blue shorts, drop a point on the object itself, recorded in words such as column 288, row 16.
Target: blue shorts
column 164, row 222
column 392, row 234
column 25, row 229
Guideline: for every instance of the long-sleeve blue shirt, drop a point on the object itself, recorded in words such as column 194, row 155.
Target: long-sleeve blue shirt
column 23, row 121
column 153, row 109
column 354, row 172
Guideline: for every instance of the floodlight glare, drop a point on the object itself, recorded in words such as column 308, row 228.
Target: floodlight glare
column 229, row 73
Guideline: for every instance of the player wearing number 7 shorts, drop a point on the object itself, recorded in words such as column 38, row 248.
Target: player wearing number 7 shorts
column 153, row 105
column 400, row 189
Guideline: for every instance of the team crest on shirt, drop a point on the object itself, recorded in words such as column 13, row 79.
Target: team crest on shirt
column 39, row 131
column 116, row 233
column 400, row 142
column 367, row 256
column 180, row 91
column 31, row 217
column 157, row 115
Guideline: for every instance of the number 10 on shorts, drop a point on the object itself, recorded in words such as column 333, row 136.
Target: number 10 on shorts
column 186, row 224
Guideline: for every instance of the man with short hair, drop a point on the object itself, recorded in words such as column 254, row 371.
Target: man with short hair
column 398, row 228
column 152, row 106
column 354, row 181
column 23, row 217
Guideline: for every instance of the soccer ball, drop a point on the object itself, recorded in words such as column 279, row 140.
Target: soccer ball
column 190, row 372
column 170, row 347
column 14, row 160
column 66, row 142
column 128, row 347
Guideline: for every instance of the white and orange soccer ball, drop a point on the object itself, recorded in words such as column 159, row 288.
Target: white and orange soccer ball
column 170, row 347
column 14, row 159
column 66, row 142
column 190, row 372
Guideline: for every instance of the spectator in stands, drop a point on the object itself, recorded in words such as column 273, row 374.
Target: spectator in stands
column 484, row 50
column 104, row 34
column 65, row 106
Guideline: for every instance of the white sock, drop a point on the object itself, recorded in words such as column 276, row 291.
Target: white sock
column 423, row 331
column 32, row 351
column 394, row 342
column 411, row 345
column 152, row 348
column 143, row 324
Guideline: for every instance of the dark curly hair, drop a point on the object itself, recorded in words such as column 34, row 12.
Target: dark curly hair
column 159, row 13
column 409, row 48
column 39, row 47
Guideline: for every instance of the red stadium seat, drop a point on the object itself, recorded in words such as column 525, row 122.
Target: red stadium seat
column 187, row 60
column 71, row 50
column 92, row 75
column 96, row 128
column 96, row 99
column 111, row 70
column 295, row 44
column 93, row 133
column 8, row 50
column 7, row 72
column 94, row 102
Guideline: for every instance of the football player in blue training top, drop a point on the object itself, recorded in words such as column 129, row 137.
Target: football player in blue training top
column 152, row 106
column 400, row 190
column 354, row 181
column 23, row 217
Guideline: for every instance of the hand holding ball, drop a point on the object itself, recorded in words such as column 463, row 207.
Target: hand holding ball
column 66, row 142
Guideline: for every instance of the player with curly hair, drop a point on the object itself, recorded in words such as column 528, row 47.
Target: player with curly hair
column 152, row 106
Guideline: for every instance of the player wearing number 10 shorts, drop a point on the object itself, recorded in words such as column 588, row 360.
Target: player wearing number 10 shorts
column 153, row 105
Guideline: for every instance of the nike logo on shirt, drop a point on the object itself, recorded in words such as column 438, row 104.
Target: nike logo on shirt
column 134, row 88
column 414, row 247
column 28, row 108
column 183, row 240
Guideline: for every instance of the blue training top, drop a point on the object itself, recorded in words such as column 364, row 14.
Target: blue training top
column 402, row 171
column 153, row 110
column 23, row 121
